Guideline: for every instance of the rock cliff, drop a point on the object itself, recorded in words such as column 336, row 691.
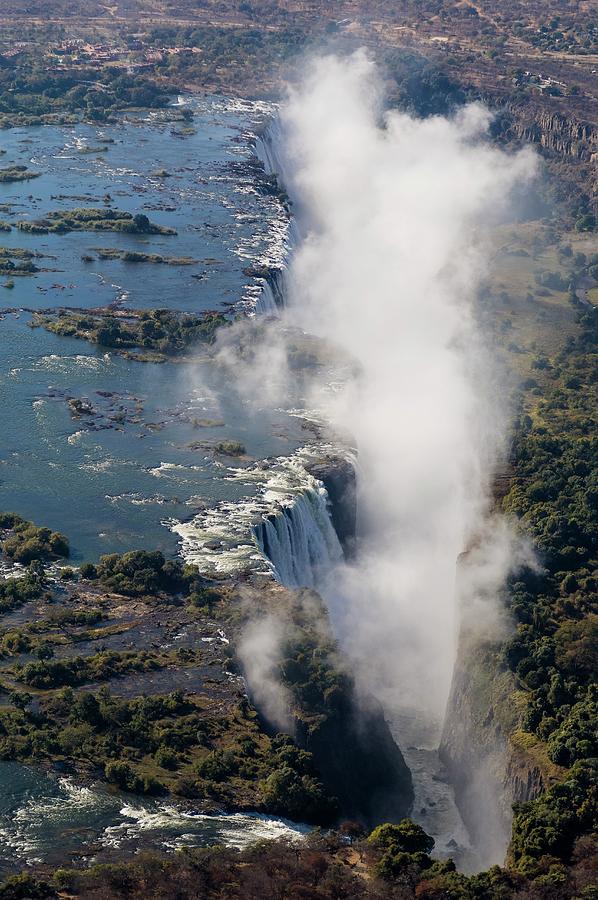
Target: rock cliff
column 553, row 131
column 491, row 762
column 353, row 748
column 338, row 477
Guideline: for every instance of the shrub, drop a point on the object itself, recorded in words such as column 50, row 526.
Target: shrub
column 166, row 759
column 88, row 571
column 550, row 825
column 140, row 572
column 121, row 774
column 29, row 542
column 406, row 837
column 217, row 766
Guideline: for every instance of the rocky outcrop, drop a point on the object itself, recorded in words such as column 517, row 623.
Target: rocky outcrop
column 338, row 477
column 354, row 752
column 549, row 129
column 361, row 764
column 523, row 780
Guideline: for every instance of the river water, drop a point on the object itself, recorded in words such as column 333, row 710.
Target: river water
column 131, row 464
column 126, row 477
column 49, row 818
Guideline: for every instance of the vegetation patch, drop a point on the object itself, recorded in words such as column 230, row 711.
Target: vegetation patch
column 17, row 173
column 17, row 261
column 14, row 592
column 33, row 92
column 222, row 448
column 135, row 256
column 141, row 572
column 22, row 541
column 93, row 219
column 161, row 331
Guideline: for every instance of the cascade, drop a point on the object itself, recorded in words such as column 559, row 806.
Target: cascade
column 277, row 283
column 274, row 291
column 300, row 540
column 266, row 304
column 268, row 149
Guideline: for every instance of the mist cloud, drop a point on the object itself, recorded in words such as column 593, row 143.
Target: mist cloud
column 393, row 211
column 260, row 651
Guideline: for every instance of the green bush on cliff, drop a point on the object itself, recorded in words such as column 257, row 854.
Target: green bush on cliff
column 121, row 774
column 292, row 788
column 577, row 736
column 404, row 847
column 550, row 825
column 406, row 837
column 298, row 796
column 308, row 669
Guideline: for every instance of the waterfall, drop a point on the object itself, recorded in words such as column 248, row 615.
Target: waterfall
column 277, row 283
column 266, row 304
column 300, row 540
column 268, row 149
column 273, row 293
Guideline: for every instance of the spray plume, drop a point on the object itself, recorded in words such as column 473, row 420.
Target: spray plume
column 260, row 653
column 392, row 211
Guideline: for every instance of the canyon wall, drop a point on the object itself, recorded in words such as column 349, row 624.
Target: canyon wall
column 491, row 762
column 354, row 752
column 552, row 130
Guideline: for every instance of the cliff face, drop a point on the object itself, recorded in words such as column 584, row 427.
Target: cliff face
column 361, row 764
column 475, row 754
column 554, row 131
column 338, row 477
column 492, row 764
column 353, row 749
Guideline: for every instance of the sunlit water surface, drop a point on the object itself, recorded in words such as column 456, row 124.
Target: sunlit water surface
column 116, row 480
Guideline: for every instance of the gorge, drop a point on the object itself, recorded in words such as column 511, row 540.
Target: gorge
column 307, row 594
column 429, row 435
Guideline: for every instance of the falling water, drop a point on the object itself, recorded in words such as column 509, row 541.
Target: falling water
column 300, row 540
column 272, row 297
